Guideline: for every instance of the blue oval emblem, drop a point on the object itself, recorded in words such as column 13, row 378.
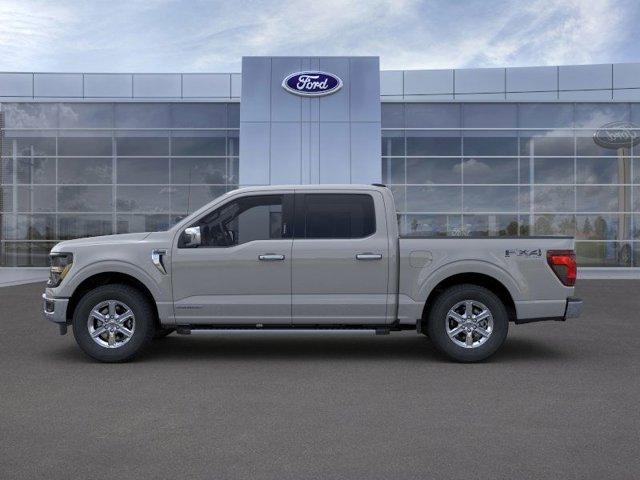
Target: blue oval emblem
column 312, row 83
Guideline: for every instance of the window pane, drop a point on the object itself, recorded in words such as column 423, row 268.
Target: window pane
column 392, row 115
column 603, row 254
column 84, row 225
column 143, row 199
column 36, row 170
column 203, row 146
column 233, row 143
column 490, row 199
column 85, row 199
column 544, row 145
column 487, row 115
column 432, row 115
column 434, row 199
column 393, row 171
column 434, row 170
column 92, row 115
column 36, row 199
column 603, row 199
column 142, row 146
column 233, row 112
column 243, row 220
column 199, row 170
column 585, row 145
column 554, row 225
column 603, row 170
column 598, row 114
column 134, row 223
column 433, row 226
column 553, row 170
column 199, row 115
column 490, row 144
column 35, row 227
column 339, row 216
column 30, row 115
column 603, row 227
column 142, row 170
column 142, row 115
column 28, row 254
column 545, row 115
column 399, row 197
column 392, row 143
column 85, row 170
column 442, row 143
column 554, row 199
column 29, row 146
column 91, row 146
column 490, row 225
column 490, row 170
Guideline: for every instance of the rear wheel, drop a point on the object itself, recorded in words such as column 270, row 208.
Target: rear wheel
column 468, row 323
column 113, row 323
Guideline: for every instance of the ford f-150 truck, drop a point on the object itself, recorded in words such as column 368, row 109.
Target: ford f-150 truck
column 305, row 257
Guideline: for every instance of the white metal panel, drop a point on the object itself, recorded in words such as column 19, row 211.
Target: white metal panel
column 157, row 85
column 365, row 154
column 16, row 84
column 108, row 85
column 427, row 82
column 626, row 75
column 203, row 85
column 585, row 77
column 532, row 79
column 391, row 82
column 479, row 80
column 57, row 85
column 586, row 95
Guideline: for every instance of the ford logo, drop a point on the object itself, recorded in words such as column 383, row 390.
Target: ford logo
column 312, row 84
column 616, row 135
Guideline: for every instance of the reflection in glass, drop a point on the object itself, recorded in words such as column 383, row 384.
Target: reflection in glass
column 603, row 198
column 85, row 170
column 90, row 146
column 85, row 199
column 490, row 199
column 199, row 115
column 20, row 254
column 432, row 226
column 490, row 170
column 553, row 170
column 199, row 170
column 36, row 170
column 546, row 144
column 142, row 170
column 434, row 199
column 603, row 227
column 554, row 225
column 392, row 115
column 140, row 198
column 84, row 225
column 392, row 143
column 432, row 115
column 603, row 170
column 554, row 199
column 202, row 146
column 393, row 171
column 35, row 227
column 86, row 115
column 604, row 254
column 36, row 199
column 490, row 144
column 32, row 146
column 142, row 146
column 134, row 223
column 434, row 170
column 490, row 225
column 434, row 143
column 185, row 200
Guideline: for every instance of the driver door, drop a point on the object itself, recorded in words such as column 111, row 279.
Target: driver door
column 240, row 273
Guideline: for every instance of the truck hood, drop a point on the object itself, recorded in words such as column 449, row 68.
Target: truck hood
column 103, row 240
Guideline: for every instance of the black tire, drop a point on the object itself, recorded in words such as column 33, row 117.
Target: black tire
column 162, row 332
column 144, row 323
column 438, row 321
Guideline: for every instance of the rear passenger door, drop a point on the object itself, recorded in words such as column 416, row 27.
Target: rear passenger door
column 340, row 259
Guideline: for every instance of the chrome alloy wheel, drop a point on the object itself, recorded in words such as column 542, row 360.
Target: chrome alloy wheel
column 111, row 324
column 469, row 324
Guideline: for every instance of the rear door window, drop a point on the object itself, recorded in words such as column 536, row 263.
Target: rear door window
column 332, row 215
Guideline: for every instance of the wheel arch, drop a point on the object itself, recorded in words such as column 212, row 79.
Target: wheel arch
column 473, row 278
column 110, row 278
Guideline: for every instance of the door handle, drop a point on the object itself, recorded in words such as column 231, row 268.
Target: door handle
column 270, row 257
column 368, row 256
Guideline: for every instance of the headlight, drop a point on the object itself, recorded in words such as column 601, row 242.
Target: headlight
column 60, row 266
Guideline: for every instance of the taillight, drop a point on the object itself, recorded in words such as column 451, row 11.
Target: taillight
column 563, row 264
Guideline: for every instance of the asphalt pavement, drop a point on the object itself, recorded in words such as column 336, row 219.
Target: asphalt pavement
column 559, row 401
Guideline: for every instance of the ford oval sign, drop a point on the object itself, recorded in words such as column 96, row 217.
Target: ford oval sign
column 312, row 84
column 617, row 135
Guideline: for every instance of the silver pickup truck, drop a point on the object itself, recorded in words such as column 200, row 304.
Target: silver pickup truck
column 305, row 257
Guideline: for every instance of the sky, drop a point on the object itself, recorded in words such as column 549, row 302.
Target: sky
column 212, row 36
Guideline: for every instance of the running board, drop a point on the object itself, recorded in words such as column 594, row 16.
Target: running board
column 192, row 329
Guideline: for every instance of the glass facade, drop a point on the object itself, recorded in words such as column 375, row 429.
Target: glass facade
column 73, row 170
column 460, row 169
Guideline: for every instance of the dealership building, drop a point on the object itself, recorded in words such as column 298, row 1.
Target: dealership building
column 520, row 151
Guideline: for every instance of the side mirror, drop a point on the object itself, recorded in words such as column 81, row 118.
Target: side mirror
column 191, row 237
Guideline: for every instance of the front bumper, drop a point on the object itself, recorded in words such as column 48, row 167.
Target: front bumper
column 55, row 310
column 574, row 308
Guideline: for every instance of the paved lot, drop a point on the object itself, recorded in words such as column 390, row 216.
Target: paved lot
column 559, row 401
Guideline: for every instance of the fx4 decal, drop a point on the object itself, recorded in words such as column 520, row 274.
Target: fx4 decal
column 518, row 252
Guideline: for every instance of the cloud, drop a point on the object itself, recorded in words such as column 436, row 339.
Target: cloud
column 166, row 35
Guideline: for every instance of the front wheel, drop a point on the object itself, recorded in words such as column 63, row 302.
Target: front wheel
column 113, row 323
column 468, row 323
